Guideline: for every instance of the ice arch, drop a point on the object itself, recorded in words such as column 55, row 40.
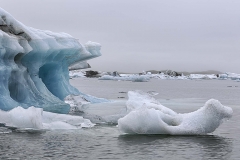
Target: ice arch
column 34, row 65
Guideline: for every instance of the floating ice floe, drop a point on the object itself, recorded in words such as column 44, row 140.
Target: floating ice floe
column 147, row 116
column 76, row 74
column 233, row 76
column 36, row 118
column 202, row 76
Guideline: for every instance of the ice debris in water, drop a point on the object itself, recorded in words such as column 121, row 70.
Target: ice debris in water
column 34, row 66
column 36, row 118
column 133, row 78
column 4, row 130
column 147, row 116
column 165, row 76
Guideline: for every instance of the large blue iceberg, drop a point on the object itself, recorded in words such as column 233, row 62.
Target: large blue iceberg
column 34, row 65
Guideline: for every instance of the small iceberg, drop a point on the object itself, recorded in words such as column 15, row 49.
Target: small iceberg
column 147, row 116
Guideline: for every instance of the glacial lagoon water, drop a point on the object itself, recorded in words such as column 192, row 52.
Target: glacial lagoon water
column 105, row 142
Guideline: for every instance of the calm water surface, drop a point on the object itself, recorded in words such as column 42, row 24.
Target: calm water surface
column 105, row 142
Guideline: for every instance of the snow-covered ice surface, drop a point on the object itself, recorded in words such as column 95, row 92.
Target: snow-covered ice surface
column 34, row 65
column 148, row 116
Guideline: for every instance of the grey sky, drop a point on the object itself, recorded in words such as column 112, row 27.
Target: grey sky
column 136, row 35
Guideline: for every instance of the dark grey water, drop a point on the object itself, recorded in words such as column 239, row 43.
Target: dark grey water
column 105, row 142
column 226, row 91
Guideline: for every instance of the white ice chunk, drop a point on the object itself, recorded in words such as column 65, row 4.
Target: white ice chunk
column 22, row 118
column 233, row 76
column 36, row 118
column 202, row 76
column 149, row 117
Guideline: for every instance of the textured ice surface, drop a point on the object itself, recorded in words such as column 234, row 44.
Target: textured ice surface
column 34, row 65
column 148, row 116
column 36, row 118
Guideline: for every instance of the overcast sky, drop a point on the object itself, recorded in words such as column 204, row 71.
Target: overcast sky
column 136, row 35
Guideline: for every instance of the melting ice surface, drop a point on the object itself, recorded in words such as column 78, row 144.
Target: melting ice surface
column 147, row 116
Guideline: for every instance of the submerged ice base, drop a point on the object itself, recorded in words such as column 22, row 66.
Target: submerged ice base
column 147, row 116
column 34, row 65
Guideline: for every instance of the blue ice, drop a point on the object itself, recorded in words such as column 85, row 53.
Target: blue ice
column 34, row 65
